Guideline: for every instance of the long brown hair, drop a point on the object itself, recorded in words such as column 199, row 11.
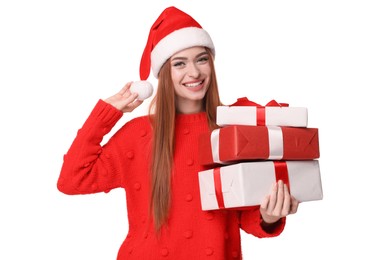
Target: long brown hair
column 162, row 111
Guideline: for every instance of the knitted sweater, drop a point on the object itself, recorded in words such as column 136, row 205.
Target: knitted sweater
column 123, row 162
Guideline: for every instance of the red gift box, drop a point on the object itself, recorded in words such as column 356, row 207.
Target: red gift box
column 239, row 143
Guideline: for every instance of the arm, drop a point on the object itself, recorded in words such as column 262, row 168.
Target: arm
column 88, row 167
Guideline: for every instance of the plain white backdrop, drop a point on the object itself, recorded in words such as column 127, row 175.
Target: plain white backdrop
column 57, row 58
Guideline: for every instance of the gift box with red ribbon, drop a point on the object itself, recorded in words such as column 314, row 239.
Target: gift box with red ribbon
column 246, row 184
column 246, row 112
column 230, row 144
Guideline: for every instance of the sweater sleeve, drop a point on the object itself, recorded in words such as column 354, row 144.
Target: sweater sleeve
column 87, row 166
column 250, row 222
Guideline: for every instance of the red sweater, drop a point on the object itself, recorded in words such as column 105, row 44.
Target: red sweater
column 123, row 162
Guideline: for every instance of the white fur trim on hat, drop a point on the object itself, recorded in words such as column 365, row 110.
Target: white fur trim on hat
column 176, row 41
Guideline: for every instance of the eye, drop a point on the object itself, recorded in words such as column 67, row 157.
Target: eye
column 178, row 64
column 203, row 59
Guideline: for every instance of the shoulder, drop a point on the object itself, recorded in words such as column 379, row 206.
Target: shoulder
column 133, row 131
column 138, row 125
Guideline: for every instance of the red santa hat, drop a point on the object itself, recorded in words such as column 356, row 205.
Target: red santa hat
column 172, row 32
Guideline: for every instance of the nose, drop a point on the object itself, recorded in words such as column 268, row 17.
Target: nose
column 193, row 70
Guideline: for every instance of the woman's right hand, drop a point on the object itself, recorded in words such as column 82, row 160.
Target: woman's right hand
column 124, row 100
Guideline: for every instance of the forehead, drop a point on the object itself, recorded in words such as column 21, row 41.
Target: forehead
column 189, row 52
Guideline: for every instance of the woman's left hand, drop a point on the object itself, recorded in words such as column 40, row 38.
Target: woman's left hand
column 278, row 204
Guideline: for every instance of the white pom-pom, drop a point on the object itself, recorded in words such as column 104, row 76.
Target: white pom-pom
column 143, row 88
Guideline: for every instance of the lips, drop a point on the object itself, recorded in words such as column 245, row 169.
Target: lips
column 193, row 85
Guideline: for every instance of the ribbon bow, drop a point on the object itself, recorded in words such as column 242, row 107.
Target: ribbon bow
column 244, row 101
column 260, row 110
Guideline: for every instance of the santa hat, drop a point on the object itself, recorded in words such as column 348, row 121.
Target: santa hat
column 172, row 32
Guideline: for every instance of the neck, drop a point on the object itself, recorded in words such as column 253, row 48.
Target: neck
column 189, row 107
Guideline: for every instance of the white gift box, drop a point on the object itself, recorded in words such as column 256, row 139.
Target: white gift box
column 271, row 115
column 247, row 184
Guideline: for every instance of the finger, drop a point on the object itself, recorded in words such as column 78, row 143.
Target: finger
column 133, row 105
column 294, row 205
column 127, row 93
column 280, row 199
column 265, row 202
column 123, row 103
column 286, row 201
column 272, row 199
column 125, row 88
column 131, row 97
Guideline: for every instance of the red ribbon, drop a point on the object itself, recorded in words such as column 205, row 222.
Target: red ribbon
column 281, row 173
column 260, row 111
column 218, row 187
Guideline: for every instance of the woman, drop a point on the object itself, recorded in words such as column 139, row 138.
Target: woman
column 154, row 158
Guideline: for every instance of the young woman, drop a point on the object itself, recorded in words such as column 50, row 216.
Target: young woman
column 155, row 157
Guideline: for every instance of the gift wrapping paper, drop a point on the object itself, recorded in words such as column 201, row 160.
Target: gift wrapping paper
column 247, row 183
column 238, row 143
column 246, row 112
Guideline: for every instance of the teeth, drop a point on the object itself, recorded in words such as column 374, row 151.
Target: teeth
column 192, row 85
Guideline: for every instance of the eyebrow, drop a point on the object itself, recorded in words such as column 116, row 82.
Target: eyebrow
column 185, row 58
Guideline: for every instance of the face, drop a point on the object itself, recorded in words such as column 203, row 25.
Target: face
column 190, row 72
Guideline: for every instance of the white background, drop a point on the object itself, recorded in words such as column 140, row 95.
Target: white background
column 57, row 58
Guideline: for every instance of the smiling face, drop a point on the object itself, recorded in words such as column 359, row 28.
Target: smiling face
column 190, row 72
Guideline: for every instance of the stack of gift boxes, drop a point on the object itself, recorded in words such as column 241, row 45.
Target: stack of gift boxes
column 254, row 147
